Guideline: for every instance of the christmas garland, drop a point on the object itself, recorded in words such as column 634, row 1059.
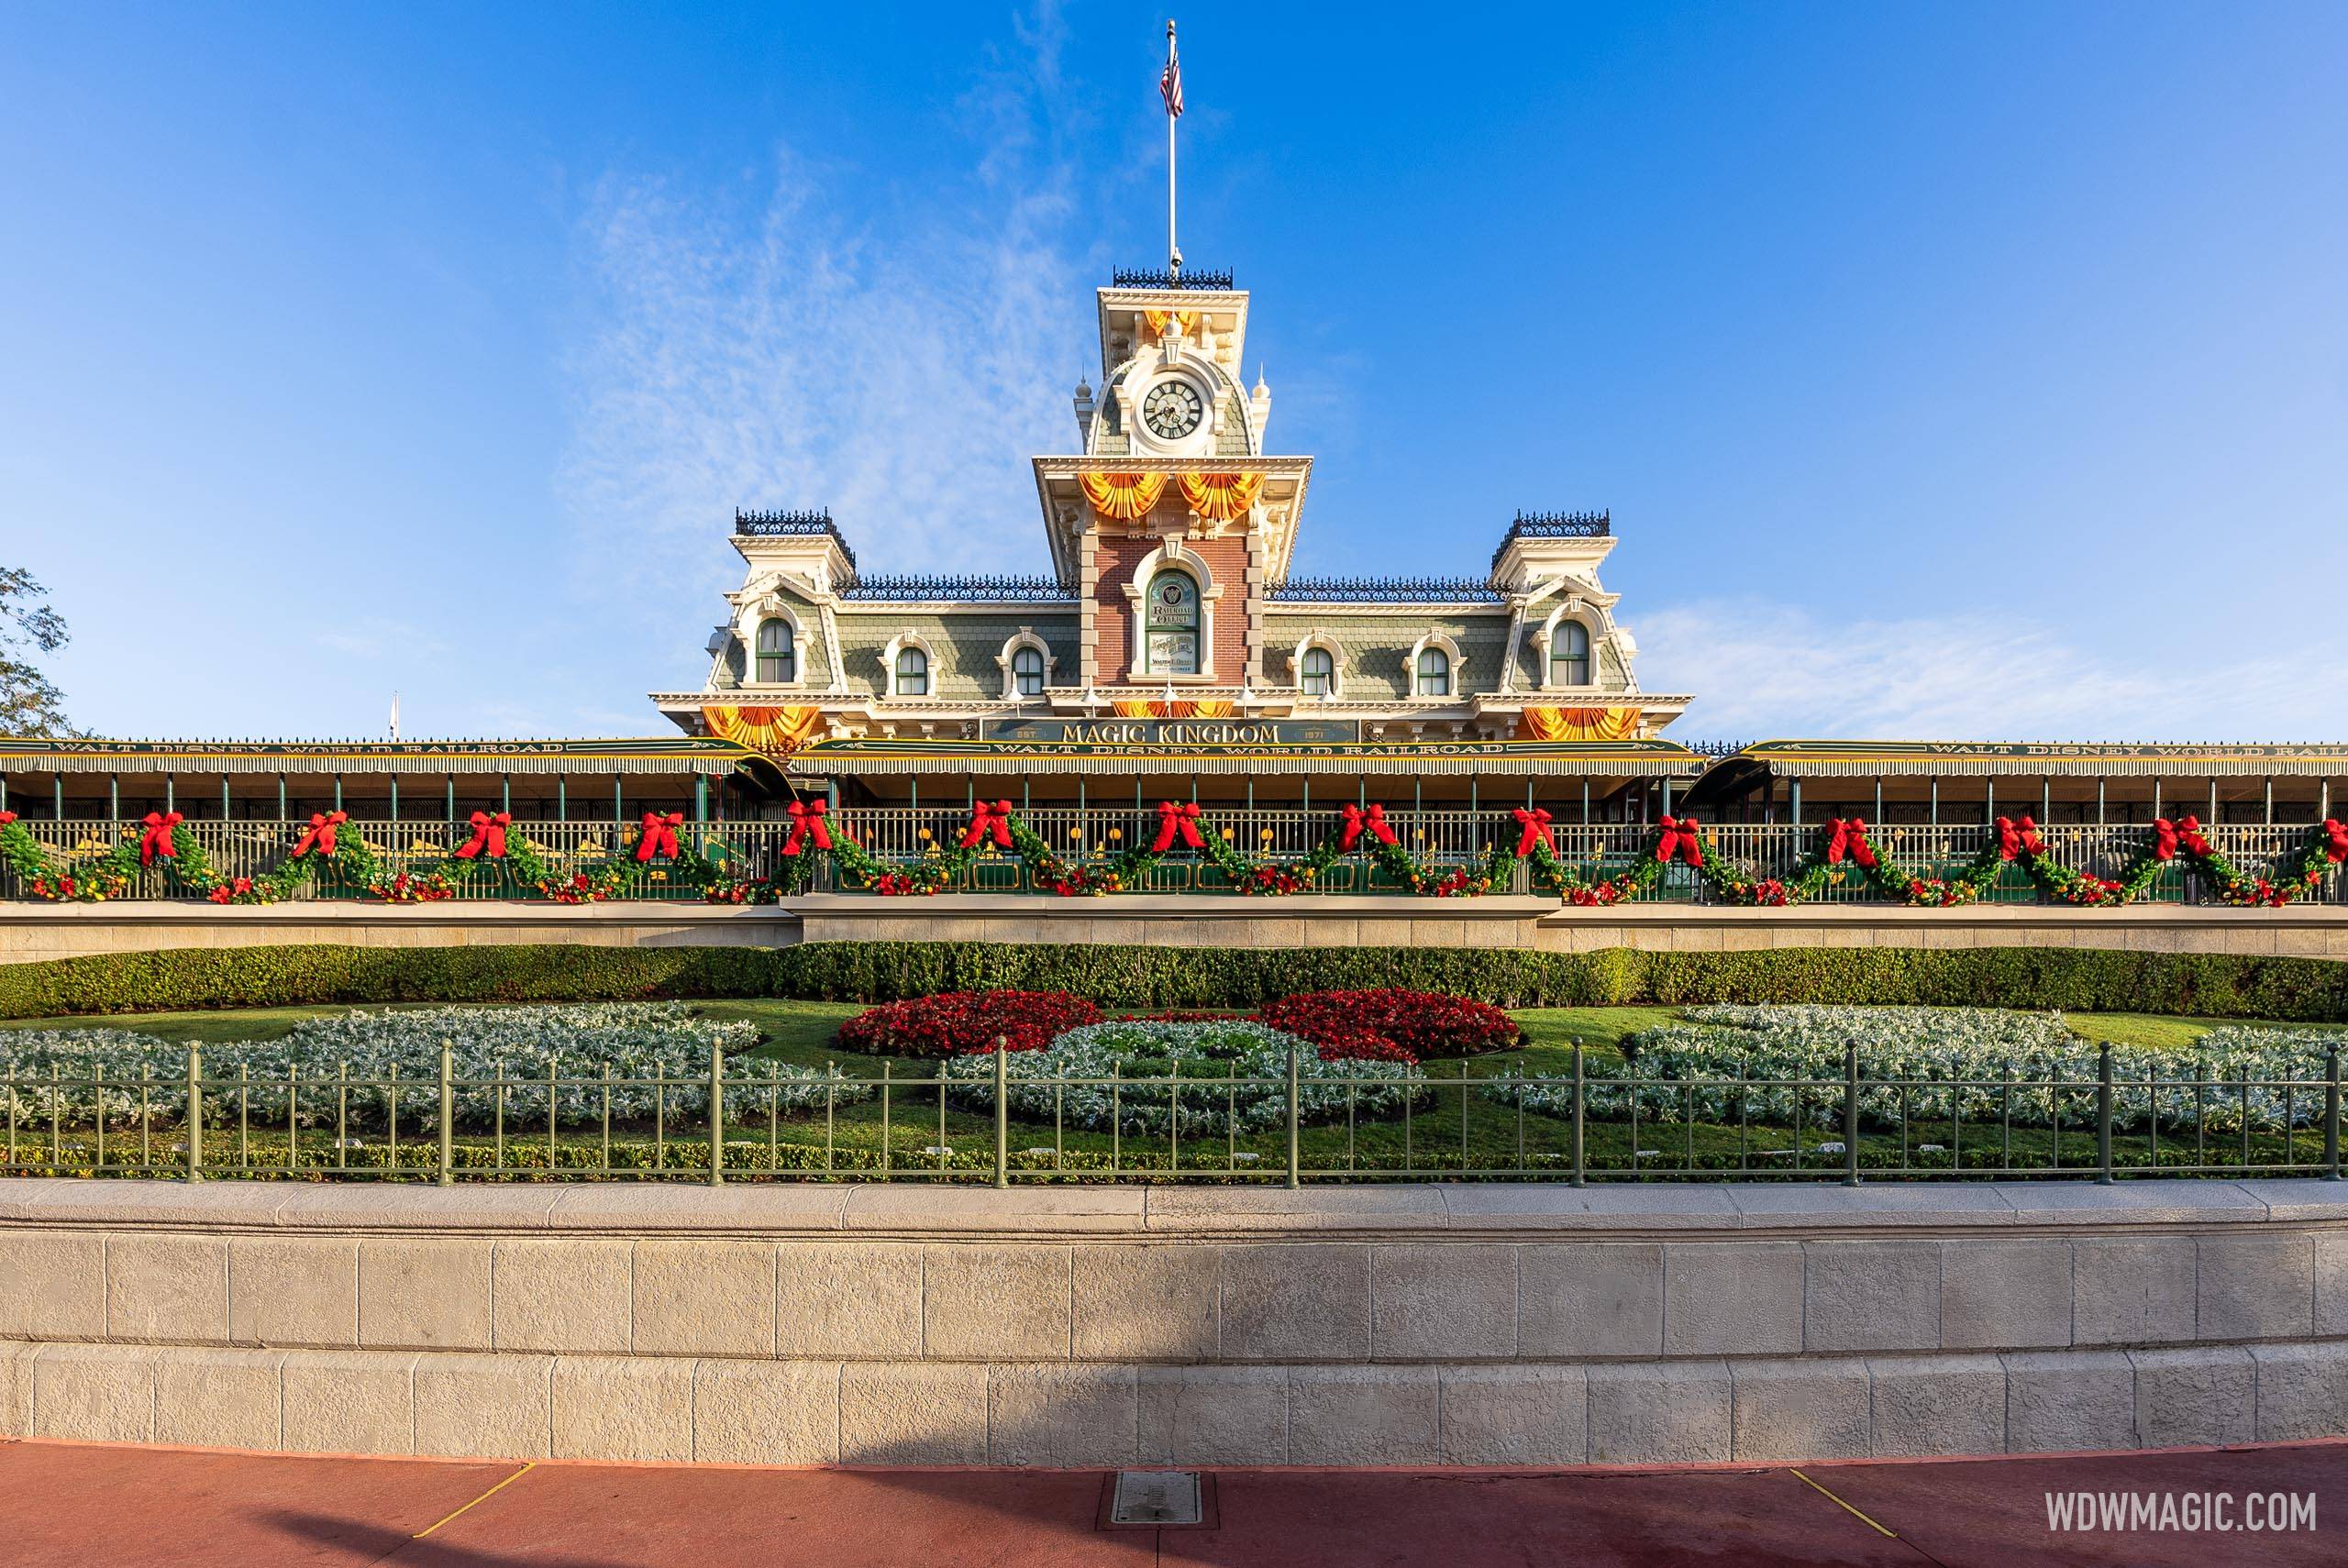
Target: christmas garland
column 1844, row 848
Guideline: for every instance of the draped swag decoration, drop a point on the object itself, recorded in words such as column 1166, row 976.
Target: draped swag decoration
column 1142, row 708
column 772, row 732
column 1218, row 498
column 1579, row 725
column 1844, row 851
column 1184, row 321
column 1122, row 496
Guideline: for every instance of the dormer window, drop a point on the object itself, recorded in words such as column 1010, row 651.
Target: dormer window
column 777, row 654
column 1569, row 654
column 1171, row 623
column 1027, row 671
column 913, row 673
column 1433, row 673
column 1317, row 673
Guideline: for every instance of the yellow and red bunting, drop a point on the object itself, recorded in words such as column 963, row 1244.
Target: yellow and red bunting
column 1578, row 724
column 1122, row 496
column 774, row 731
column 1218, row 498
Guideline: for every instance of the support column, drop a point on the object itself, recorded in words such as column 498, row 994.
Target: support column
column 281, row 797
column 701, row 797
column 225, row 813
column 171, row 794
column 114, row 799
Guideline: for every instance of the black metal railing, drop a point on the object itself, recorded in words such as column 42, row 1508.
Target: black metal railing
column 910, row 587
column 200, row 1117
column 1555, row 526
column 1382, row 590
column 785, row 524
column 1159, row 278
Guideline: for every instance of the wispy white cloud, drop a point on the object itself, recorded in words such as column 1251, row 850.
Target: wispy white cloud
column 379, row 637
column 812, row 344
column 1760, row 669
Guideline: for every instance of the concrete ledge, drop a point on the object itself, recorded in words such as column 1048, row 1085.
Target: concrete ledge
column 1031, row 1413
column 30, row 932
column 1460, row 1211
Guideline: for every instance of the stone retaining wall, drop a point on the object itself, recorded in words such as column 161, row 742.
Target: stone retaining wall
column 46, row 931
column 1452, row 1324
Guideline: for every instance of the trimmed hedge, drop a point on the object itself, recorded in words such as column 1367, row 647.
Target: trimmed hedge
column 2071, row 979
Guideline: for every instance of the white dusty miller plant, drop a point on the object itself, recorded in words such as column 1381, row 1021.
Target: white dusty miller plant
column 1784, row 1065
column 635, row 1057
column 1218, row 1077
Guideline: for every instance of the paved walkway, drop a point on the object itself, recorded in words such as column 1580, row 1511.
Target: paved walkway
column 67, row 1505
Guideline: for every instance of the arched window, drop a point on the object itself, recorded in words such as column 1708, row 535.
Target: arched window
column 1434, row 673
column 1027, row 671
column 1170, row 623
column 1569, row 654
column 778, row 656
column 913, row 673
column 1318, row 673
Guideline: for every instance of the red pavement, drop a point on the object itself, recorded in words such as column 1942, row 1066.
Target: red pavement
column 69, row 1504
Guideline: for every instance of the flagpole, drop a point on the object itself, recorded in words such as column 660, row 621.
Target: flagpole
column 1173, row 251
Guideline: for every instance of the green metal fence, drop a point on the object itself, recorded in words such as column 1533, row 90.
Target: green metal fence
column 752, row 850
column 758, row 1120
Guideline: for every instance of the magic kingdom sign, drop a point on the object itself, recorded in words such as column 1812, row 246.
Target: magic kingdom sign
column 1183, row 735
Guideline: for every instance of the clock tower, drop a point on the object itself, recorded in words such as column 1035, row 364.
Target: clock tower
column 1173, row 516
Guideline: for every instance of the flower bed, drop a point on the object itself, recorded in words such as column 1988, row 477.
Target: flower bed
column 1232, row 1072
column 1784, row 1066
column 961, row 1021
column 1392, row 1024
column 655, row 1052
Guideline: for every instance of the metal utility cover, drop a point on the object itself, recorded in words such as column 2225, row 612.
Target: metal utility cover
column 1153, row 1497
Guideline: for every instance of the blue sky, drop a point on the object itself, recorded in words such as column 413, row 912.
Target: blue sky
column 1953, row 370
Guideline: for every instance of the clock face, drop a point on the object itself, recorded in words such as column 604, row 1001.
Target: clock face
column 1172, row 409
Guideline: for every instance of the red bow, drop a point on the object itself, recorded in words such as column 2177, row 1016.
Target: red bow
column 2016, row 839
column 2335, row 841
column 1532, row 827
column 1679, row 838
column 319, row 835
column 6, row 817
column 1177, row 819
column 156, row 839
column 988, row 819
column 489, row 834
column 806, row 822
column 1849, row 836
column 658, row 834
column 1358, row 818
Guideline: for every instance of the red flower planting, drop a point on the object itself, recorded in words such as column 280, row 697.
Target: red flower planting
column 1391, row 1024
column 962, row 1021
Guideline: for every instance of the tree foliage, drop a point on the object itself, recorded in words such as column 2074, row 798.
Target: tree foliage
column 31, row 703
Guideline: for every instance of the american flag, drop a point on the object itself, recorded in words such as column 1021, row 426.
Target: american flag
column 1169, row 86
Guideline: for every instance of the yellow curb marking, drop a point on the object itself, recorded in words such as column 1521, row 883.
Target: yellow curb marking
column 485, row 1496
column 1806, row 1481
